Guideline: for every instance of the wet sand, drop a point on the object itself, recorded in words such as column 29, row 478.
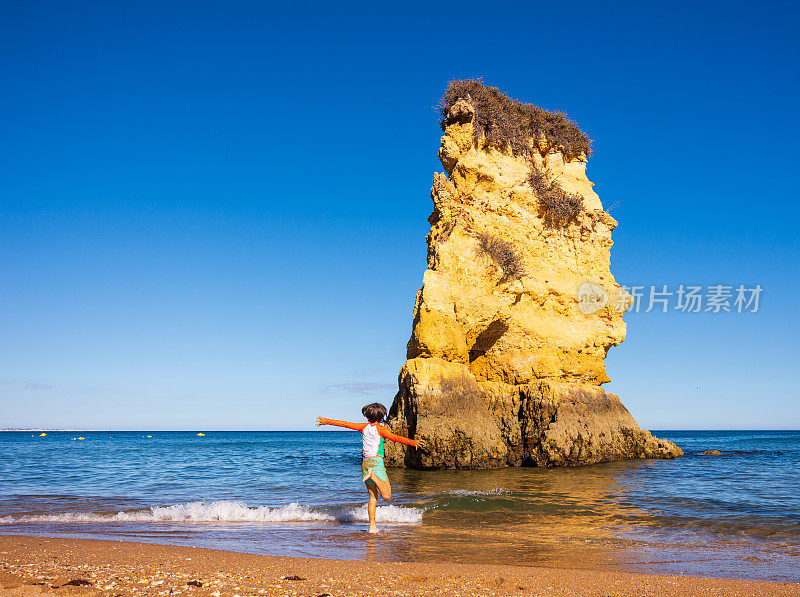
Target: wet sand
column 33, row 566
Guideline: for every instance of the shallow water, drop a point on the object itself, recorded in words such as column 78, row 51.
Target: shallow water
column 300, row 493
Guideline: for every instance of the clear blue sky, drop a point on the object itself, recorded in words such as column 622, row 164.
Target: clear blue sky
column 212, row 214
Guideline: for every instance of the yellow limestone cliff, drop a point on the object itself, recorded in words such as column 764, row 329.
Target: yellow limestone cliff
column 506, row 356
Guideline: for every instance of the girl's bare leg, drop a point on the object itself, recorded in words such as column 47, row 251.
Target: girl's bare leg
column 384, row 488
column 371, row 505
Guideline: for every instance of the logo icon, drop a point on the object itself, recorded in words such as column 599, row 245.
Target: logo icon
column 591, row 297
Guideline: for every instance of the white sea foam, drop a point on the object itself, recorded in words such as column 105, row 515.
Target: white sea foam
column 226, row 511
column 382, row 514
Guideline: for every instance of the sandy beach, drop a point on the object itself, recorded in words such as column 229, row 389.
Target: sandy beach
column 32, row 566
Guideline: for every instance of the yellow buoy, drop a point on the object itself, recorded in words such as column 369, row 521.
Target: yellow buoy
column 42, row 435
column 81, row 438
column 201, row 434
column 149, row 436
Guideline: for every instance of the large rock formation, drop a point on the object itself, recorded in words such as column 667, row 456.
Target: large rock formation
column 504, row 362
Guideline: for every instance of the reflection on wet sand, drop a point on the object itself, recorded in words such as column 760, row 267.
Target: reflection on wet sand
column 523, row 516
column 579, row 518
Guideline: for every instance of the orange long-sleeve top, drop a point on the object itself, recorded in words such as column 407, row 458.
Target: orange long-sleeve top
column 382, row 431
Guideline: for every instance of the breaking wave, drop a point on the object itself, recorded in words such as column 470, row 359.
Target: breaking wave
column 227, row 511
column 382, row 514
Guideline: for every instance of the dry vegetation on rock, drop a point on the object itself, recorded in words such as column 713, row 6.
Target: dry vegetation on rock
column 500, row 118
column 558, row 207
column 504, row 256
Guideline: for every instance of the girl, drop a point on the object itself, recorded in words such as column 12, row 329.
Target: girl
column 372, row 468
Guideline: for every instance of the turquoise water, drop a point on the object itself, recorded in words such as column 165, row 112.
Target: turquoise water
column 300, row 493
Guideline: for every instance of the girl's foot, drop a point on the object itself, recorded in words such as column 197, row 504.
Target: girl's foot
column 373, row 530
column 368, row 476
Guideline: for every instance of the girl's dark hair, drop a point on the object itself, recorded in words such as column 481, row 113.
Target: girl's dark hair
column 374, row 412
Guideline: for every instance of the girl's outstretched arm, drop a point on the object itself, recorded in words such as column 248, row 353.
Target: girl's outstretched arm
column 397, row 438
column 348, row 424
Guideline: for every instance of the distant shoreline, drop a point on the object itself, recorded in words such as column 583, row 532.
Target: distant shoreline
column 57, row 430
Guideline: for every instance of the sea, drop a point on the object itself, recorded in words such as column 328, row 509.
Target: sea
column 736, row 514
